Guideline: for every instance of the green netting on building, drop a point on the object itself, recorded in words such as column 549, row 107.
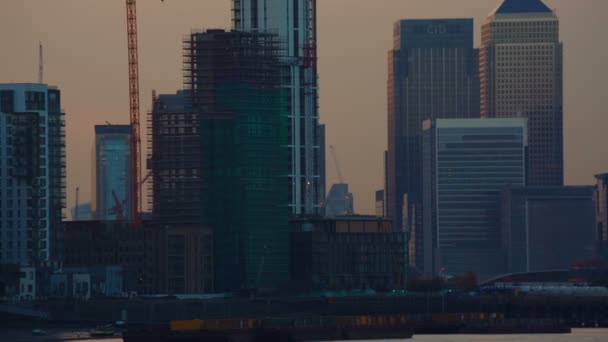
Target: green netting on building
column 245, row 164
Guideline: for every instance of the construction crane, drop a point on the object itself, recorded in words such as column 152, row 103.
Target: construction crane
column 135, row 143
column 119, row 207
column 335, row 158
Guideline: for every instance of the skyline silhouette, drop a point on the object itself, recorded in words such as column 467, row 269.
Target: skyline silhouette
column 85, row 55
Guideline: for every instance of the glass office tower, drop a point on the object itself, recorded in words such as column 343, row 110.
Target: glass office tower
column 295, row 23
column 111, row 172
column 433, row 73
column 466, row 163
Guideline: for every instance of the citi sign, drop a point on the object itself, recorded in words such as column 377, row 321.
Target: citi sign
column 436, row 29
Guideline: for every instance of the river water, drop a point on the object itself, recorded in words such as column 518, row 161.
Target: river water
column 578, row 335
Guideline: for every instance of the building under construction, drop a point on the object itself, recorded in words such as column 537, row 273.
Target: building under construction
column 218, row 155
column 174, row 160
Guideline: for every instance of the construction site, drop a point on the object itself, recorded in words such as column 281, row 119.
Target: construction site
column 217, row 154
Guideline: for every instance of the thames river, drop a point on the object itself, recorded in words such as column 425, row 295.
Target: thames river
column 578, row 335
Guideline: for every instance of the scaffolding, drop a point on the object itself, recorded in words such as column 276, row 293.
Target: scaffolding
column 217, row 57
column 234, row 81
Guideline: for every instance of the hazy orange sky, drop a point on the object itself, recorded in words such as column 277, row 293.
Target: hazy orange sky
column 85, row 55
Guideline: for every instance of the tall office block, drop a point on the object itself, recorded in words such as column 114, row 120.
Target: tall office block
column 32, row 173
column 295, row 23
column 234, row 81
column 467, row 162
column 521, row 62
column 546, row 228
column 433, row 73
column 110, row 169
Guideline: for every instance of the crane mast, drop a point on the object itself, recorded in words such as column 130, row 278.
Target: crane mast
column 135, row 143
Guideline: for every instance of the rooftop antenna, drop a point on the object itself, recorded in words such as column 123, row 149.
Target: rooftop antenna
column 40, row 65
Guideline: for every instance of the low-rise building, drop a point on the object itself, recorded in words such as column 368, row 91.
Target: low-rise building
column 154, row 259
column 9, row 281
column 104, row 281
column 346, row 253
column 27, row 283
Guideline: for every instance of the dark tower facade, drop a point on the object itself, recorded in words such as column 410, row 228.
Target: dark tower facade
column 433, row 73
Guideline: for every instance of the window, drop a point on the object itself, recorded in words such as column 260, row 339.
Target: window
column 35, row 100
column 6, row 101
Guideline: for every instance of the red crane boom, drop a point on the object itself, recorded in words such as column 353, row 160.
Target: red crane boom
column 135, row 144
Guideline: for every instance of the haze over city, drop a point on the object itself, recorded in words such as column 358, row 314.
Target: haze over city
column 85, row 55
column 303, row 170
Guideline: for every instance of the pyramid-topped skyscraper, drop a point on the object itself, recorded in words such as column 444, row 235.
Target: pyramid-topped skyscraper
column 522, row 6
column 521, row 75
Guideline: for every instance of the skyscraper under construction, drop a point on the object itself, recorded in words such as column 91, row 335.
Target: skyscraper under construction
column 219, row 159
column 295, row 23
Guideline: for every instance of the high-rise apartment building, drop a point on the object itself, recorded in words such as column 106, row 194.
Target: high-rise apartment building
column 295, row 23
column 466, row 164
column 521, row 62
column 433, row 73
column 110, row 172
column 32, row 173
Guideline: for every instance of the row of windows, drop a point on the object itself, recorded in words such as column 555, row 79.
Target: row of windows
column 10, row 224
column 544, row 23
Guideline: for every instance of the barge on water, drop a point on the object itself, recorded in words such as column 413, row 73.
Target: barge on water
column 338, row 328
column 271, row 330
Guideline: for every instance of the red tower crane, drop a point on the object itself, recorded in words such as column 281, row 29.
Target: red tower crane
column 135, row 143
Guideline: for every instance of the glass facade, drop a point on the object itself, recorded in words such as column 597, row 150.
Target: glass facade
column 111, row 172
column 295, row 23
column 433, row 73
column 466, row 164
